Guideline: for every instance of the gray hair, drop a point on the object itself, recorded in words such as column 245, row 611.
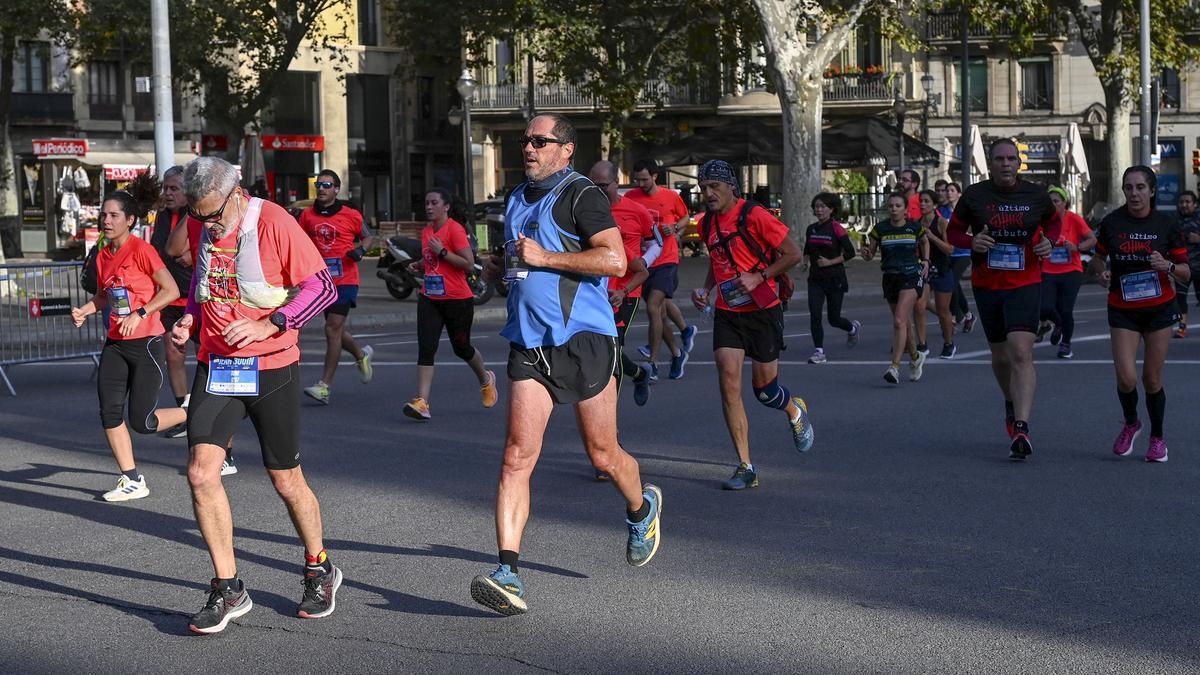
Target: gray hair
column 205, row 175
column 172, row 172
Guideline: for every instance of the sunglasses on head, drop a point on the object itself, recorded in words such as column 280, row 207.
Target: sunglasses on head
column 539, row 142
column 325, row 184
column 215, row 215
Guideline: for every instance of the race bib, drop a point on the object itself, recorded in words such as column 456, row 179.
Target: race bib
column 1140, row 286
column 233, row 375
column 514, row 269
column 1060, row 255
column 335, row 267
column 734, row 296
column 118, row 300
column 1006, row 257
column 435, row 285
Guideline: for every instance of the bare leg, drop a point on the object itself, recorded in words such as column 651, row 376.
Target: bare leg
column 675, row 315
column 729, row 372
column 169, row 417
column 211, row 506
column 302, row 506
column 1024, row 377
column 597, row 419
column 918, row 315
column 945, row 315
column 1124, row 351
column 529, row 408
column 654, row 316
column 334, row 325
column 1156, row 355
column 176, row 370
column 902, row 311
column 1002, row 368
column 121, row 445
column 349, row 345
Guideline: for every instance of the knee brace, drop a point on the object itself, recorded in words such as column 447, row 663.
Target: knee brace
column 773, row 395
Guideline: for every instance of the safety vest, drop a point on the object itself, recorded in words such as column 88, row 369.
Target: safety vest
column 253, row 289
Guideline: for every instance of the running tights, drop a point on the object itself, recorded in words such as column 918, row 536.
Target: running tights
column 1059, row 292
column 128, row 371
column 820, row 290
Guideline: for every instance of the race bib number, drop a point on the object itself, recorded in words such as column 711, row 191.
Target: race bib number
column 118, row 300
column 335, row 267
column 435, row 285
column 1140, row 286
column 1006, row 257
column 734, row 296
column 233, row 375
column 514, row 269
column 1059, row 255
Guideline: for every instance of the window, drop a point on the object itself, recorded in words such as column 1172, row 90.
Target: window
column 1037, row 84
column 505, row 66
column 105, row 90
column 977, row 95
column 1170, row 89
column 32, row 74
column 368, row 23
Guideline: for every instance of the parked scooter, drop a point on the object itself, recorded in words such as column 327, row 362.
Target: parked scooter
column 396, row 269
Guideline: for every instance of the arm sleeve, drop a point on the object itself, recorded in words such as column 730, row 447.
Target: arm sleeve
column 315, row 294
column 193, row 307
column 651, row 253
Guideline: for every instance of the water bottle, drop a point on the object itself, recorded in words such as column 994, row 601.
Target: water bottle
column 708, row 307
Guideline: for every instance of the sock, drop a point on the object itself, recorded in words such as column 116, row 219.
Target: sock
column 317, row 564
column 187, row 398
column 1009, row 411
column 639, row 515
column 1156, row 404
column 179, row 400
column 131, row 474
column 896, row 365
column 1129, row 401
column 509, row 558
column 229, row 454
column 233, row 584
column 748, row 465
column 1021, row 427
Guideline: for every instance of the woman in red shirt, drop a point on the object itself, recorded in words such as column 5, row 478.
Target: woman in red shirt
column 135, row 286
column 1062, row 274
column 445, row 302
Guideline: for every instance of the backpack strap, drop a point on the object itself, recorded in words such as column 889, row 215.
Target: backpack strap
column 744, row 233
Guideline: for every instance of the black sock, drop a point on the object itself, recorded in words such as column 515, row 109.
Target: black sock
column 1021, row 427
column 1009, row 412
column 131, row 474
column 639, row 515
column 509, row 558
column 1129, row 404
column 179, row 400
column 233, row 584
column 1156, row 404
column 229, row 454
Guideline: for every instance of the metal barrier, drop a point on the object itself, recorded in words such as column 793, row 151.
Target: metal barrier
column 35, row 316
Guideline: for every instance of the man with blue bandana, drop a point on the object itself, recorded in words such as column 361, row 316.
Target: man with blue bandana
column 561, row 245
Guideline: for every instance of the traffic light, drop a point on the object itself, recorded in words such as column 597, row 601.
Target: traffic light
column 1023, row 153
column 1196, row 161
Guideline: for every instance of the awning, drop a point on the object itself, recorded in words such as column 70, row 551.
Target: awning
column 141, row 159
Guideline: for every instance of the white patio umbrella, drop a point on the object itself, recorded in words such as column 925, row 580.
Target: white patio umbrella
column 1075, row 174
column 978, row 155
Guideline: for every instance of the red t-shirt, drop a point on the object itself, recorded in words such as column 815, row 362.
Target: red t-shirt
column 288, row 257
column 636, row 226
column 768, row 232
column 666, row 207
column 914, row 206
column 1074, row 229
column 453, row 279
column 335, row 235
column 132, row 268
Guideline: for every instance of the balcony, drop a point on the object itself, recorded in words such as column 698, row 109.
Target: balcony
column 42, row 108
column 562, row 96
column 858, row 89
column 946, row 28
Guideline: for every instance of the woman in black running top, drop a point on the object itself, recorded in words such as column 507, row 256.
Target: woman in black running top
column 904, row 258
column 1145, row 256
column 941, row 276
column 826, row 248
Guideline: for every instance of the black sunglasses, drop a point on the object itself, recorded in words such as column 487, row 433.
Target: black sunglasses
column 215, row 215
column 539, row 142
column 324, row 184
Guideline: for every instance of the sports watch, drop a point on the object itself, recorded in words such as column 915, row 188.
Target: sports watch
column 279, row 319
column 141, row 311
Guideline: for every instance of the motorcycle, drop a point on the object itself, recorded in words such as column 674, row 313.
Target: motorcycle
column 396, row 268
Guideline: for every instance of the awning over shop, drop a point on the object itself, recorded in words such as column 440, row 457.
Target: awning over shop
column 126, row 160
column 849, row 145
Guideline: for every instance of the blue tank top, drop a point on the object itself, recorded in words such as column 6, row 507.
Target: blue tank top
column 549, row 306
column 945, row 211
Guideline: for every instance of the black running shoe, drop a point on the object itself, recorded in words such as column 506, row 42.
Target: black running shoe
column 223, row 606
column 177, row 431
column 319, row 593
column 1020, row 448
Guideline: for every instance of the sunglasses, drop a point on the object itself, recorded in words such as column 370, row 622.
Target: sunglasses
column 325, row 184
column 538, row 142
column 215, row 215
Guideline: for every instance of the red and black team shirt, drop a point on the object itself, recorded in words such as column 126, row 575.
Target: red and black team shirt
column 827, row 240
column 1128, row 243
column 1016, row 218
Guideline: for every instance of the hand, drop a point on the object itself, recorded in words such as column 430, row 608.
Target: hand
column 184, row 260
column 824, row 262
column 667, row 229
column 1043, row 247
column 616, row 296
column 700, row 299
column 492, row 268
column 417, row 267
column 925, row 268
column 78, row 315
column 748, row 281
column 128, row 324
column 865, row 253
column 435, row 244
column 355, row 254
column 1158, row 262
column 1105, row 278
column 245, row 331
column 1193, row 237
column 1069, row 245
column 181, row 331
column 982, row 242
column 530, row 252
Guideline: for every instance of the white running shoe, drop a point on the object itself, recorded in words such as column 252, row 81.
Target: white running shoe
column 364, row 365
column 128, row 489
column 228, row 468
column 916, row 367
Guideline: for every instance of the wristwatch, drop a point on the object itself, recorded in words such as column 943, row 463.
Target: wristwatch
column 442, row 253
column 1171, row 269
column 141, row 311
column 279, row 319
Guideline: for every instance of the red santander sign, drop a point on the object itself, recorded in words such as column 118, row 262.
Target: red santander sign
column 293, row 142
column 60, row 147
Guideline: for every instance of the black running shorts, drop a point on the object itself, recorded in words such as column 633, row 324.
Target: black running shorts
column 1144, row 319
column 275, row 413
column 573, row 372
column 1009, row 311
column 893, row 283
column 623, row 315
column 170, row 315
column 758, row 333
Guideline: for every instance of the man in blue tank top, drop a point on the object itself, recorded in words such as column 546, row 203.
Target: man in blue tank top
column 561, row 245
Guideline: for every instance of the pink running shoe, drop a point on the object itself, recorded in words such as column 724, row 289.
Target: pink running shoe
column 1157, row 451
column 1124, row 443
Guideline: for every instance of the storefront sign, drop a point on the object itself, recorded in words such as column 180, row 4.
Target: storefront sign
column 123, row 171
column 293, row 142
column 60, row 147
column 214, row 143
column 39, row 307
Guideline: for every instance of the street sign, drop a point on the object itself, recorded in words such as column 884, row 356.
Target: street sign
column 49, row 148
column 39, row 307
column 293, row 142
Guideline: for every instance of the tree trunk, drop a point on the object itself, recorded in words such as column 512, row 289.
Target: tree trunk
column 8, row 174
column 1120, row 146
column 801, row 105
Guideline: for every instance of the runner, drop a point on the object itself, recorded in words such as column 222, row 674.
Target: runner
column 1007, row 217
column 904, row 257
column 1062, row 274
column 960, row 262
column 828, row 247
column 253, row 257
column 135, row 286
column 671, row 216
column 561, row 243
column 908, row 182
column 1145, row 254
column 342, row 239
column 167, row 220
column 748, row 248
column 1189, row 227
column 445, row 302
column 941, row 275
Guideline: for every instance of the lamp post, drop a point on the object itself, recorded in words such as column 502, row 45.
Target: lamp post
column 466, row 89
column 899, row 108
column 932, row 101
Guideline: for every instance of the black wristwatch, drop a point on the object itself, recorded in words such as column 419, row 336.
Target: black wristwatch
column 442, row 253
column 1171, row 269
column 279, row 319
column 141, row 311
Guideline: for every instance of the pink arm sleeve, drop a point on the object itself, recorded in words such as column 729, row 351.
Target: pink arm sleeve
column 316, row 293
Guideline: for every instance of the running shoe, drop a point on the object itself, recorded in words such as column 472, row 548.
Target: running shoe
column 644, row 350
column 948, row 351
column 641, row 386
column 1123, row 446
column 501, row 591
column 319, row 392
column 1020, row 448
column 802, row 430
column 653, row 369
column 1043, row 328
column 417, row 409
column 365, row 371
column 892, row 375
column 1157, row 451
column 1056, row 335
column 487, row 391
column 320, row 594
column 923, row 349
column 689, row 338
column 743, row 477
column 677, row 364
column 224, row 605
column 818, row 356
column 968, row 322
column 228, row 468
column 645, row 535
column 177, row 431
column 1181, row 331
column 128, row 489
column 852, row 336
column 916, row 367
column 1064, row 350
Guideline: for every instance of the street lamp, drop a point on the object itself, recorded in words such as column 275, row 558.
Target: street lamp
column 466, row 89
column 899, row 108
column 932, row 101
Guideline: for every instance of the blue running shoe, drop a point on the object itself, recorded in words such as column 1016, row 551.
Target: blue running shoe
column 644, row 536
column 641, row 386
column 644, row 350
column 689, row 337
column 653, row 369
column 802, row 430
column 677, row 364
column 501, row 591
column 743, row 477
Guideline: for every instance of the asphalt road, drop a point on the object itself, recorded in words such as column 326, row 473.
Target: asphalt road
column 905, row 541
